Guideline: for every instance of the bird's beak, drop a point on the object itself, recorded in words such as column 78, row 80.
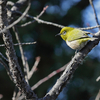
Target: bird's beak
column 57, row 34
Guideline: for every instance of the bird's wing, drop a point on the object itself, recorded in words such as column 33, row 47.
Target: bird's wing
column 89, row 33
column 77, row 34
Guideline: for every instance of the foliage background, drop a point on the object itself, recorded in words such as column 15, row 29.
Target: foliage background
column 53, row 50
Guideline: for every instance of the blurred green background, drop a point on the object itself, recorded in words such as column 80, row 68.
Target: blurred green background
column 53, row 50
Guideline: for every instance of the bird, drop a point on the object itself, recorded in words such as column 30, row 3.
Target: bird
column 75, row 38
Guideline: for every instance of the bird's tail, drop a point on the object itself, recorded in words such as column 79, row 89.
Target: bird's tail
column 93, row 38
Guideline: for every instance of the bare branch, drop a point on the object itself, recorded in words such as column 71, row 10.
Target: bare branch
column 44, row 9
column 30, row 22
column 10, row 3
column 14, row 93
column 17, row 44
column 70, row 69
column 98, row 79
column 19, row 4
column 98, row 96
column 20, row 13
column 34, row 67
column 1, row 96
column 28, row 43
column 54, row 24
column 24, row 61
column 89, row 28
column 48, row 77
column 48, row 23
column 61, row 26
column 18, row 96
column 3, row 57
column 15, row 68
column 7, row 69
column 17, row 75
column 91, row 2
column 17, row 21
column 44, row 80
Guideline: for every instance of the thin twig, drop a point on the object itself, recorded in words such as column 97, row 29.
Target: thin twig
column 61, row 26
column 17, row 21
column 44, row 9
column 10, row 3
column 48, row 77
column 30, row 22
column 28, row 43
column 34, row 67
column 89, row 28
column 16, row 44
column 44, row 80
column 98, row 96
column 3, row 57
column 20, row 13
column 14, row 93
column 54, row 24
column 98, row 79
column 41, row 21
column 1, row 96
column 7, row 69
column 24, row 61
column 19, row 95
column 48, row 23
column 91, row 2
column 18, row 77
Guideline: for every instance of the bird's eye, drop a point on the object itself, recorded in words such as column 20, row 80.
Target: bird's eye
column 64, row 32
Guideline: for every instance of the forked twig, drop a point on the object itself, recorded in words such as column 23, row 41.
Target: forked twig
column 17, row 21
column 44, row 80
column 77, row 59
column 30, row 22
column 18, row 77
column 54, row 24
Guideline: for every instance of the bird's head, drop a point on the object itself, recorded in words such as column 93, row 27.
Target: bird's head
column 64, row 32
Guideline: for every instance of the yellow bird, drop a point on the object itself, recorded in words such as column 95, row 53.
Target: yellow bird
column 75, row 38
